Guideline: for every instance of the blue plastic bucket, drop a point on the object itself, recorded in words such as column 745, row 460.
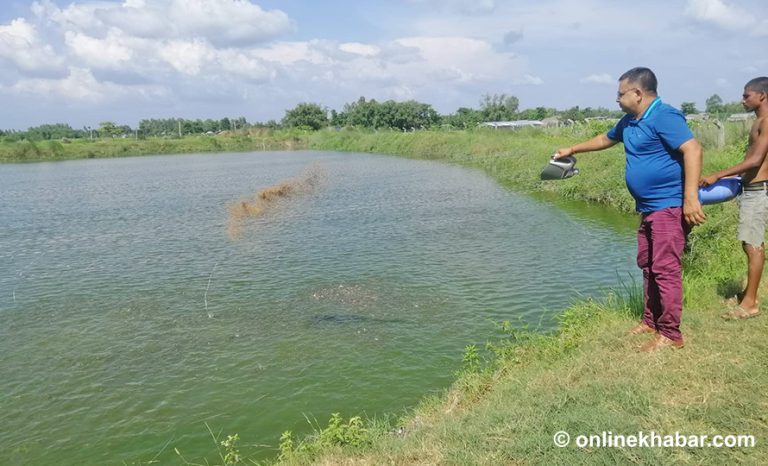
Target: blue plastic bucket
column 722, row 190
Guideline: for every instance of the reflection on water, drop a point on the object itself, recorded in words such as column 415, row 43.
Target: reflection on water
column 129, row 319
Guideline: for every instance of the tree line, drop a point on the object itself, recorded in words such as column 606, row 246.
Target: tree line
column 362, row 113
column 714, row 106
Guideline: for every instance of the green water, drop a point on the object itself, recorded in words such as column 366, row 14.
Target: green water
column 131, row 322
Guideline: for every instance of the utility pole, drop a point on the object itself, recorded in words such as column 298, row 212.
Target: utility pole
column 179, row 127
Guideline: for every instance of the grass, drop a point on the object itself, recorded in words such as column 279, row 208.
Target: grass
column 254, row 140
column 587, row 380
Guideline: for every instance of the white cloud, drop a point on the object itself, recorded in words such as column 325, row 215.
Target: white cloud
column 80, row 86
column 287, row 53
column 719, row 13
column 462, row 59
column 220, row 22
column 75, row 17
column 110, row 53
column 227, row 21
column 21, row 44
column 197, row 55
column 528, row 79
column 245, row 65
column 187, row 57
column 602, row 78
column 360, row 49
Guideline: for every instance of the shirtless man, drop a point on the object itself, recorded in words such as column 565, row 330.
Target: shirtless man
column 753, row 213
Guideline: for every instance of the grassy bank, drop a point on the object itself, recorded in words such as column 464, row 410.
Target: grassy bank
column 587, row 378
column 256, row 140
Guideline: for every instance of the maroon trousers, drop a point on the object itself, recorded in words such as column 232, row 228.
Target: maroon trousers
column 661, row 239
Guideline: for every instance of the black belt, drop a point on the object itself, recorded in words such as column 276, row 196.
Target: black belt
column 756, row 186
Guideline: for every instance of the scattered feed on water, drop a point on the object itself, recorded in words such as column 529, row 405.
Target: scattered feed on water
column 266, row 199
column 351, row 295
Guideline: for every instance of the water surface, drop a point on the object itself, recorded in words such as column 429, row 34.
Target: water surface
column 130, row 319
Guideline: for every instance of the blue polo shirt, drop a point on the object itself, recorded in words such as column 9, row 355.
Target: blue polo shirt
column 654, row 171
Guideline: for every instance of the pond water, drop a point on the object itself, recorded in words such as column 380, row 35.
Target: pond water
column 132, row 319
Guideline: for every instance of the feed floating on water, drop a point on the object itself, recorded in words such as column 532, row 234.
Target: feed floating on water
column 268, row 197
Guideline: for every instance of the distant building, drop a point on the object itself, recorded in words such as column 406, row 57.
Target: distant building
column 556, row 121
column 697, row 117
column 512, row 124
column 741, row 117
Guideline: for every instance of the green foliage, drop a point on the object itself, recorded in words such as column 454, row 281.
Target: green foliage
column 170, row 127
column 231, row 453
column 306, row 115
column 470, row 361
column 538, row 113
column 464, row 118
column 688, row 108
column 286, row 446
column 45, row 133
column 512, row 337
column 499, row 107
column 402, row 116
column 714, row 104
column 108, row 129
column 595, row 127
column 338, row 432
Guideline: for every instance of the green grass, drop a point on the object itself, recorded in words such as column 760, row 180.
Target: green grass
column 29, row 151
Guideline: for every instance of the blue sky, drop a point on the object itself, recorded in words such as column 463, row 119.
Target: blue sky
column 83, row 62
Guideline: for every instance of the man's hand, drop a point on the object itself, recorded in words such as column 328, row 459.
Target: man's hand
column 693, row 213
column 707, row 180
column 563, row 152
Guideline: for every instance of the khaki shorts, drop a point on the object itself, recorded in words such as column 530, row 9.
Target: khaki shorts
column 753, row 217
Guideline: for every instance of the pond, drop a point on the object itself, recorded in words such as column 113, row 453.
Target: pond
column 138, row 309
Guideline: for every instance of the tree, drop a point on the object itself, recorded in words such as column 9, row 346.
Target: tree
column 464, row 118
column 733, row 107
column 714, row 104
column 688, row 108
column 108, row 129
column 499, row 107
column 573, row 113
column 50, row 131
column 306, row 115
column 338, row 119
column 538, row 113
column 363, row 113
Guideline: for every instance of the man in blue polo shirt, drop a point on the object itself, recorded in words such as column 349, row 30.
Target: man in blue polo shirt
column 662, row 174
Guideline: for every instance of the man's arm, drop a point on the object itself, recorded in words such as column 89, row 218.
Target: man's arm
column 692, row 211
column 753, row 159
column 599, row 142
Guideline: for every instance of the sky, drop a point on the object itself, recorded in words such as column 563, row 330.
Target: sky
column 83, row 62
